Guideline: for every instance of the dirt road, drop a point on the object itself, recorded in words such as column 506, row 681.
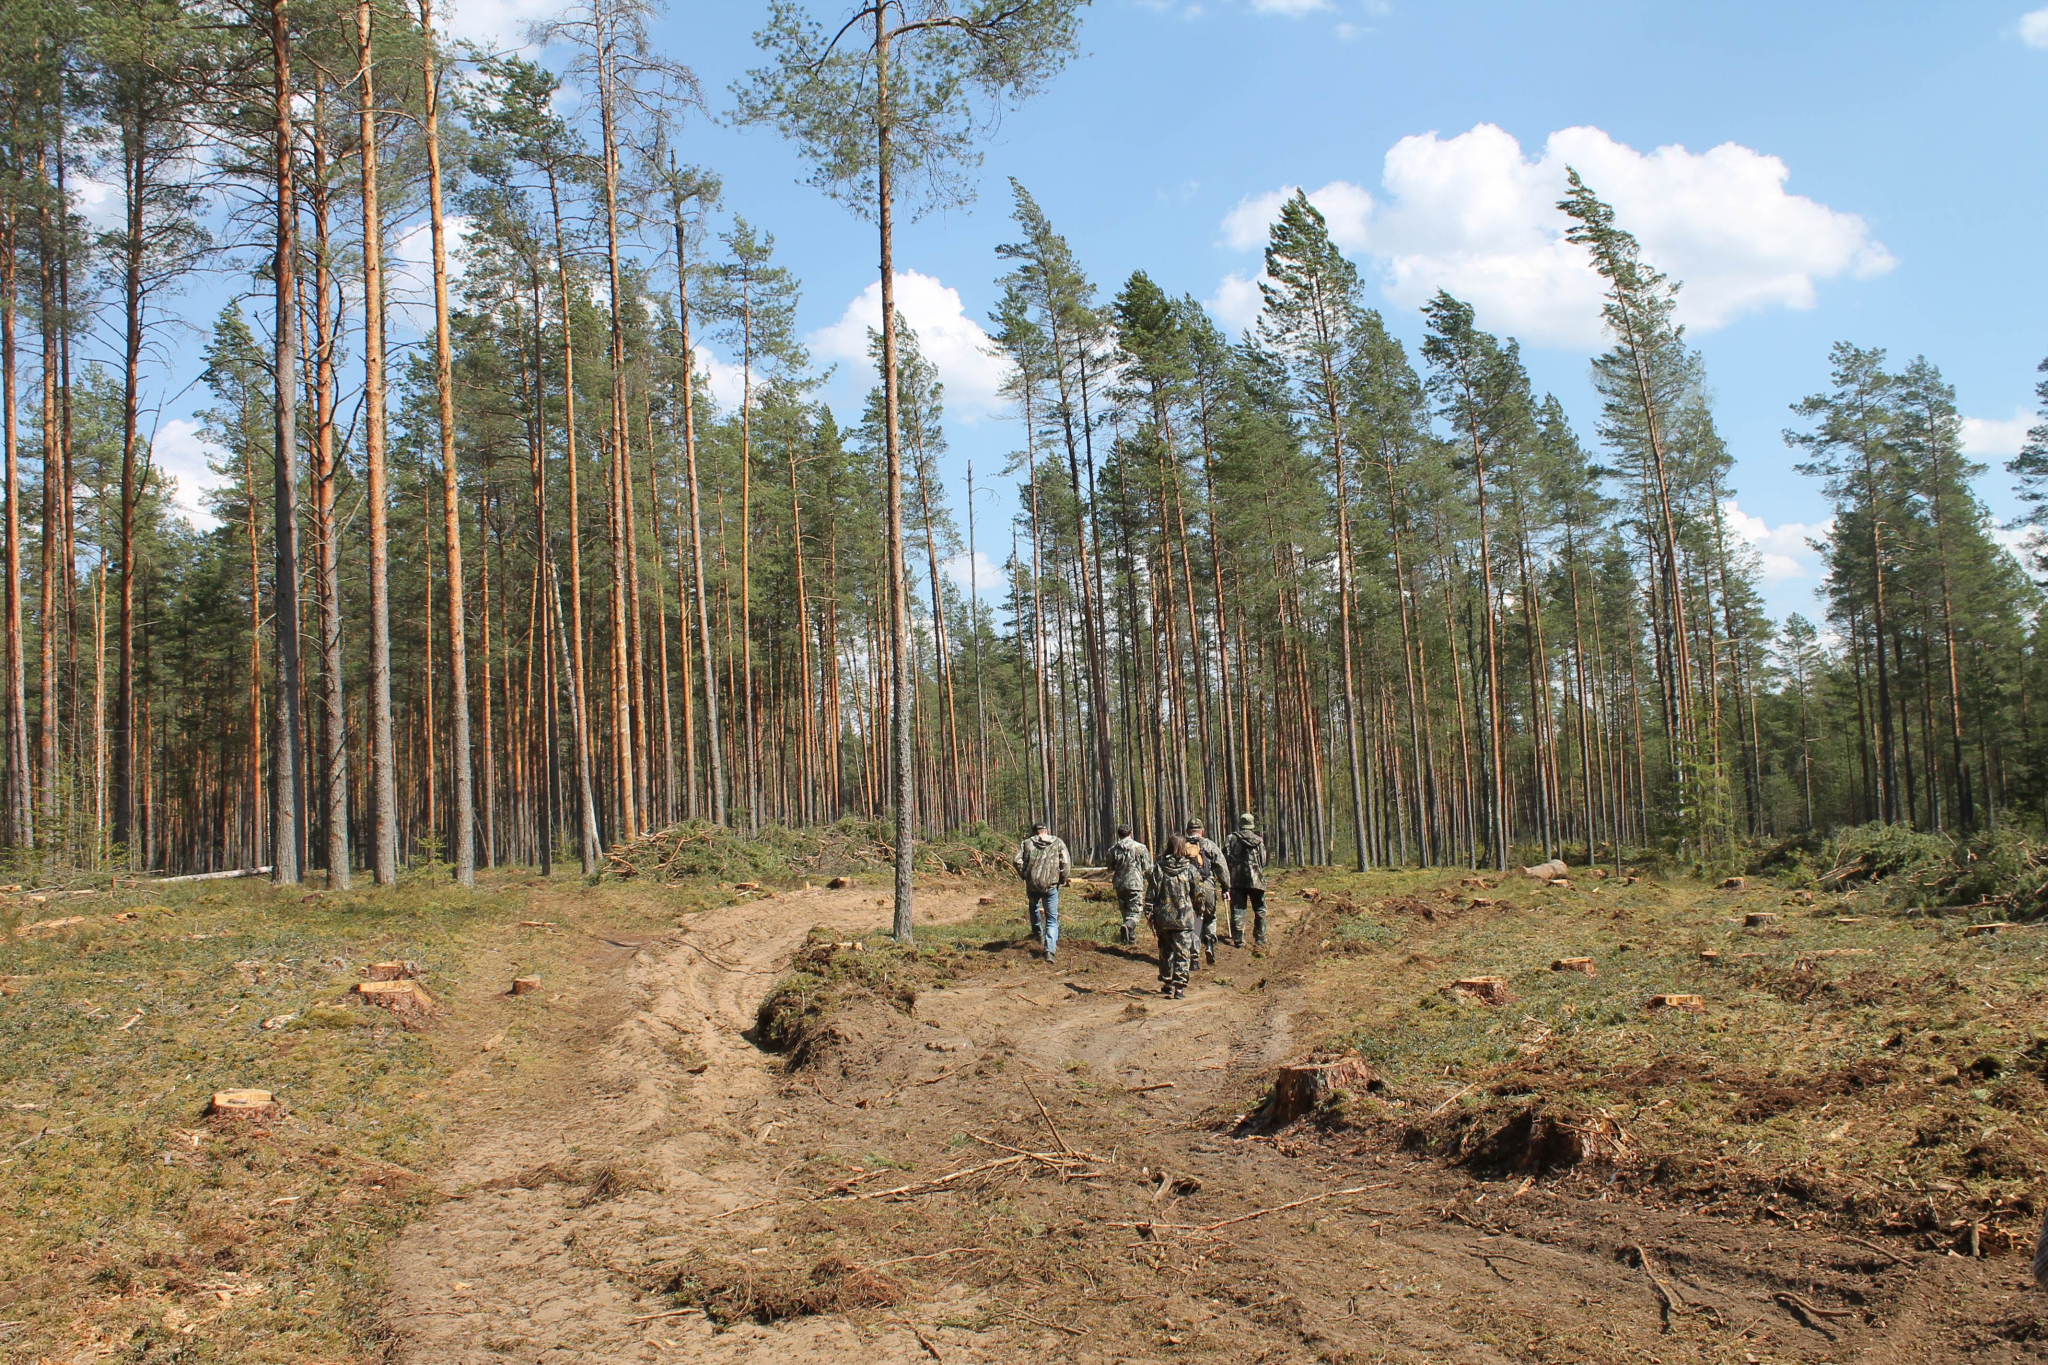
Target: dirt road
column 647, row 1155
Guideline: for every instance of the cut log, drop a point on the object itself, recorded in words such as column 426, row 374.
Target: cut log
column 1981, row 930
column 525, row 985
column 392, row 971
column 840, row 883
column 1487, row 990
column 1582, row 965
column 406, row 999
column 1299, row 1090
column 240, row 1105
column 1564, row 882
column 1759, row 919
column 1690, row 1003
column 1733, row 883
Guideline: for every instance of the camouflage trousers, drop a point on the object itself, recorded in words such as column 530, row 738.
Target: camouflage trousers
column 1130, row 904
column 1178, row 944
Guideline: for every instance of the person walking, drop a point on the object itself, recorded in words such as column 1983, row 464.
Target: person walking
column 1244, row 857
column 1043, row 863
column 1130, row 870
column 1175, row 882
column 1208, row 860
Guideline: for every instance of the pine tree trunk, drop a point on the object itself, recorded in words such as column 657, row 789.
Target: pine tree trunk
column 287, row 808
column 383, row 753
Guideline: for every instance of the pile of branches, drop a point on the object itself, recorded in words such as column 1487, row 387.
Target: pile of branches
column 2001, row 871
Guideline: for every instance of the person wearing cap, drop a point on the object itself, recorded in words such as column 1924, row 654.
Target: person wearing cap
column 1043, row 863
column 1130, row 869
column 1244, row 857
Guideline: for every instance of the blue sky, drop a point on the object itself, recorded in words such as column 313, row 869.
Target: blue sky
column 1815, row 171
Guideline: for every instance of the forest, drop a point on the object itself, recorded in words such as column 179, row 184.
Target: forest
column 527, row 591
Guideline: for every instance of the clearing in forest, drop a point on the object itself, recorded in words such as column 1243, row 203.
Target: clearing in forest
column 1586, row 1122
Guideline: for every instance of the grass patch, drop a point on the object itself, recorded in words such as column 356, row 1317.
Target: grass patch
column 130, row 1225
column 1848, row 1064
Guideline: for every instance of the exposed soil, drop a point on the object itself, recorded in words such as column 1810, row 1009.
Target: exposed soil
column 1026, row 1163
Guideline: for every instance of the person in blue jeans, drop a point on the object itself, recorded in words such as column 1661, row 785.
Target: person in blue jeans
column 1043, row 863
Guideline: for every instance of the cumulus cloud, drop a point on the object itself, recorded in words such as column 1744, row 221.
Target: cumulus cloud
column 977, row 576
column 949, row 338
column 1785, row 550
column 1236, row 302
column 1997, row 436
column 409, row 270
column 181, row 453
column 498, row 25
column 1476, row 215
column 1346, row 207
column 727, row 382
column 2034, row 28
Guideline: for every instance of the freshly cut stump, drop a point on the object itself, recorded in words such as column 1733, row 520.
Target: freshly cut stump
column 1690, row 1003
column 1300, row 1089
column 840, row 883
column 1487, row 990
column 1759, row 919
column 1582, row 965
column 406, row 999
column 1733, row 883
column 525, row 985
column 392, row 971
column 241, row 1105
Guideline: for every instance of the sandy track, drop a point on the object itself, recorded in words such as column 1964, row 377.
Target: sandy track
column 655, row 1079
column 658, row 1081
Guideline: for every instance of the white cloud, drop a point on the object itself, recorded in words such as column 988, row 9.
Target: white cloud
column 949, row 338
column 1473, row 214
column 409, row 270
column 1785, row 550
column 975, row 577
column 1345, row 206
column 1998, row 436
column 1294, row 9
column 2021, row 542
column 498, row 25
column 181, row 452
column 2034, row 28
column 727, row 382
column 1236, row 302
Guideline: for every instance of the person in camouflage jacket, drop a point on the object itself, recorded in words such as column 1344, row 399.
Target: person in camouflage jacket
column 1244, row 856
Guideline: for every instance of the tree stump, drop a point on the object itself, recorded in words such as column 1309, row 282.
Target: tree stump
column 1299, row 1089
column 1544, row 872
column 1733, row 883
column 1487, row 990
column 840, row 883
column 525, row 985
column 392, row 971
column 237, row 1106
column 406, row 999
column 1582, row 965
column 1759, row 919
column 1690, row 1003
column 986, row 900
